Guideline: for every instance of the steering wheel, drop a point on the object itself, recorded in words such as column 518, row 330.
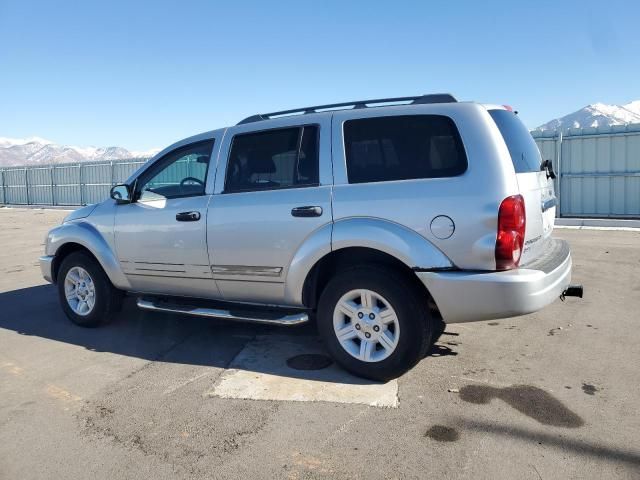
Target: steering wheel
column 191, row 179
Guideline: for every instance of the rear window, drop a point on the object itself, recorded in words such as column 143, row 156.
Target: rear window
column 402, row 148
column 523, row 149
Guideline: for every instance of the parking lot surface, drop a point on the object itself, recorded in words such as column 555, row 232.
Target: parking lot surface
column 554, row 394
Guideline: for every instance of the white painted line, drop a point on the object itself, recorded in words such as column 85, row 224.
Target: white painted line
column 260, row 372
column 582, row 227
column 598, row 222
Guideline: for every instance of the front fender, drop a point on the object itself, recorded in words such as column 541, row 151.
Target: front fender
column 89, row 237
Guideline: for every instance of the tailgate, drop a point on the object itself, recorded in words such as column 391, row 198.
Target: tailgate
column 540, row 209
column 533, row 184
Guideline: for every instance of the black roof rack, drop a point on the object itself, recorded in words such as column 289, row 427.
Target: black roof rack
column 421, row 99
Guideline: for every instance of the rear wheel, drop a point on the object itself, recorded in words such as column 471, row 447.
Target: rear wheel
column 87, row 296
column 375, row 322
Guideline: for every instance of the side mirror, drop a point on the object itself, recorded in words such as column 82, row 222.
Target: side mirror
column 121, row 193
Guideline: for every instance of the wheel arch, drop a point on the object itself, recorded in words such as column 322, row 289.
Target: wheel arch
column 350, row 257
column 81, row 236
column 63, row 252
column 358, row 240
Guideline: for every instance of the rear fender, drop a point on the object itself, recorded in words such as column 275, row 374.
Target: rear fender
column 406, row 245
column 315, row 246
column 415, row 251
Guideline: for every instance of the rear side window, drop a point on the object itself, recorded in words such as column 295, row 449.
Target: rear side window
column 405, row 147
column 282, row 158
column 523, row 149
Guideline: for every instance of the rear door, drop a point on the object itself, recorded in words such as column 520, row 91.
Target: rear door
column 273, row 191
column 534, row 186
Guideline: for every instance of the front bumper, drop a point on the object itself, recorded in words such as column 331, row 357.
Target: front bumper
column 46, row 263
column 464, row 296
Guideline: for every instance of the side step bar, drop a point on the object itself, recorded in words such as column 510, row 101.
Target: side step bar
column 253, row 316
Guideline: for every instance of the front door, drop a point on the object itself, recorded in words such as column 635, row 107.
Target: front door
column 160, row 239
column 272, row 196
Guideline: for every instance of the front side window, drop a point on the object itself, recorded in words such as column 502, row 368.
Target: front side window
column 181, row 173
column 272, row 159
column 403, row 147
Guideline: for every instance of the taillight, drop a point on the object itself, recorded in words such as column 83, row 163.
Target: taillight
column 510, row 239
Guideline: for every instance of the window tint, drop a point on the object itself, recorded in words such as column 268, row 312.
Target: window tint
column 181, row 173
column 402, row 147
column 272, row 159
column 523, row 149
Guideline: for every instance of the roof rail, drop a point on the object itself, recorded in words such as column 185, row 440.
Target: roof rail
column 421, row 99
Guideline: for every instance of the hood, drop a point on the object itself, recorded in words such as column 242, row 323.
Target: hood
column 80, row 213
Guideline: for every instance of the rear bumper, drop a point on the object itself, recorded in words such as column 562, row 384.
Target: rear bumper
column 46, row 263
column 464, row 296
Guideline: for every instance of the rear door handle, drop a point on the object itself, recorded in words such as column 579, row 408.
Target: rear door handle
column 308, row 211
column 188, row 216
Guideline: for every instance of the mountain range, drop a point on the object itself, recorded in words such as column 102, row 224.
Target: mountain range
column 35, row 150
column 597, row 115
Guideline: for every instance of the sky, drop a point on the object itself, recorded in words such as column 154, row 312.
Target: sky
column 144, row 74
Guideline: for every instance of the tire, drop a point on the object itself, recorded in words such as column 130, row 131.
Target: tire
column 93, row 299
column 438, row 330
column 406, row 338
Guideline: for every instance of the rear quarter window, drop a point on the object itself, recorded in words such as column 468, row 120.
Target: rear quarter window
column 522, row 147
column 402, row 148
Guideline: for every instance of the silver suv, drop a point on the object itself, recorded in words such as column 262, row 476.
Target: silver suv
column 383, row 219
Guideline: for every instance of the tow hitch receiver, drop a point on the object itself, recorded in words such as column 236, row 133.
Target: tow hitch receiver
column 572, row 291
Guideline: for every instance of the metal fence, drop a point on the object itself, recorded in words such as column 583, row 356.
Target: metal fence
column 598, row 170
column 64, row 184
column 598, row 174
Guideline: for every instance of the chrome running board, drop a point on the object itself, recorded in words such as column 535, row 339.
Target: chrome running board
column 254, row 316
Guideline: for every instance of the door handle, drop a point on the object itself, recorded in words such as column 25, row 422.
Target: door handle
column 308, row 211
column 188, row 216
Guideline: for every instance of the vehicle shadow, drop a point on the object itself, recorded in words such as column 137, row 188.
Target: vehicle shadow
column 35, row 311
column 571, row 446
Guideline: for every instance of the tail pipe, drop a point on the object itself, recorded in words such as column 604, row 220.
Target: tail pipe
column 572, row 291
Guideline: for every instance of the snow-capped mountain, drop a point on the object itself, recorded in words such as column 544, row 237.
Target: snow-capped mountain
column 36, row 150
column 597, row 115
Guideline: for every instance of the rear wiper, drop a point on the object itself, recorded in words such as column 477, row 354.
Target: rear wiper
column 548, row 166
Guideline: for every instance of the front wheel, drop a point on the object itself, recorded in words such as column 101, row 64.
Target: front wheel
column 375, row 322
column 87, row 296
